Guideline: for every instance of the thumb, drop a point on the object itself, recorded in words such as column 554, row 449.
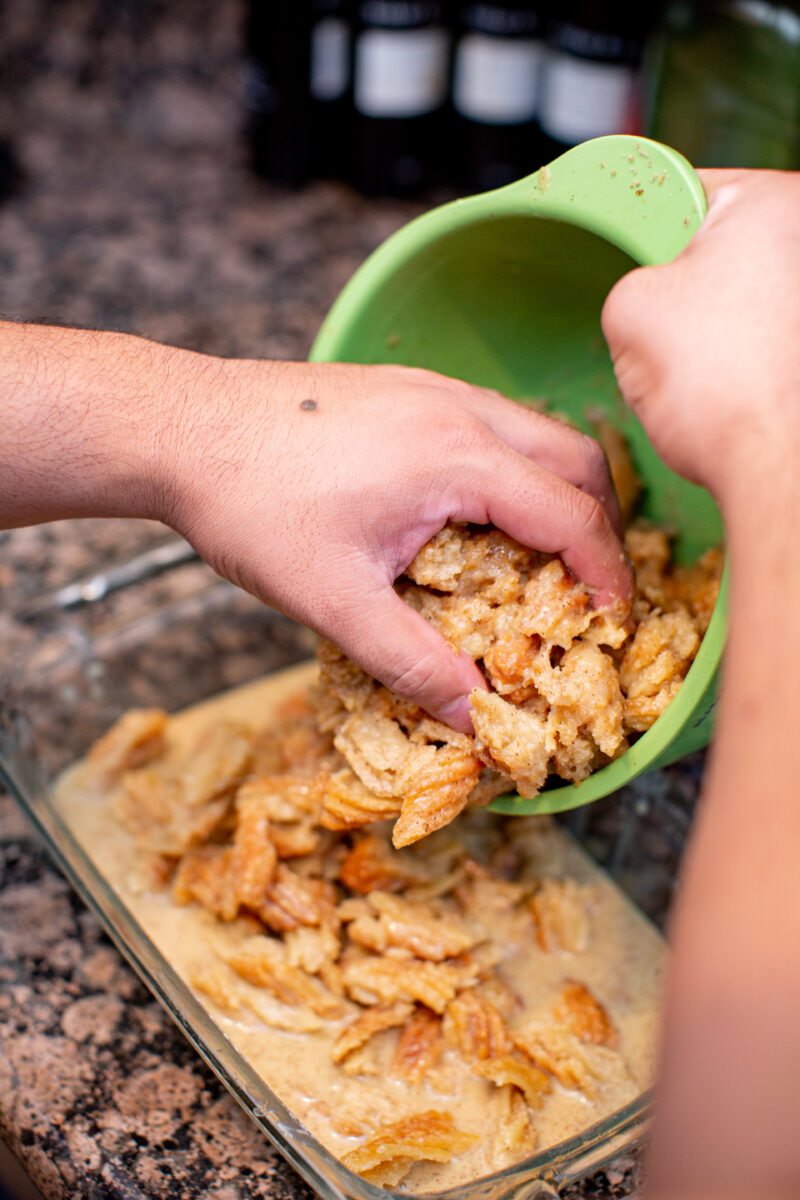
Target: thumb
column 392, row 642
column 627, row 319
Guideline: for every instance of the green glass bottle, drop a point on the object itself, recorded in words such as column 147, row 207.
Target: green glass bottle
column 725, row 83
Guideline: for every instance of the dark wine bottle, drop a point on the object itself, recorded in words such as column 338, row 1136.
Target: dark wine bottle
column 400, row 79
column 330, row 71
column 590, row 77
column 496, row 72
column 296, row 78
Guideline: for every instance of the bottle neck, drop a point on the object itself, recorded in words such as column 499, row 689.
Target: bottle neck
column 501, row 20
column 399, row 14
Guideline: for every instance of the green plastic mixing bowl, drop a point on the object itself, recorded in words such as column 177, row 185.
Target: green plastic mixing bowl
column 505, row 289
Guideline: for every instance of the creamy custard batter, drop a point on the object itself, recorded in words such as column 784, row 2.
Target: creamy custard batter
column 621, row 966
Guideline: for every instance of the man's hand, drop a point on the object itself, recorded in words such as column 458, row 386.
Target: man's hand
column 707, row 352
column 312, row 486
column 707, row 348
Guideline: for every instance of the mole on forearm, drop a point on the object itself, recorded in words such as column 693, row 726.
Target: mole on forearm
column 309, row 405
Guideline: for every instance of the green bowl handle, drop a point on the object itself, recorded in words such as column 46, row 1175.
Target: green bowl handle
column 643, row 197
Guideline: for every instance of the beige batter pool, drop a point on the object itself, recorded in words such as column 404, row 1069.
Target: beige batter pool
column 621, row 964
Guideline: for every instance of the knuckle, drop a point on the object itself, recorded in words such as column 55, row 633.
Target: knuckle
column 459, row 434
column 588, row 515
column 423, row 377
column 592, row 456
column 416, row 677
column 621, row 305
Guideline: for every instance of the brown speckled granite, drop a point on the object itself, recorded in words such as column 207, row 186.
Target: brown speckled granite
column 138, row 214
column 99, row 1094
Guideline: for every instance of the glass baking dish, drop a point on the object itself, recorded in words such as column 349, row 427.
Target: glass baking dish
column 161, row 629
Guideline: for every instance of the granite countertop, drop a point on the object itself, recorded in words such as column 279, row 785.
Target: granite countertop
column 138, row 213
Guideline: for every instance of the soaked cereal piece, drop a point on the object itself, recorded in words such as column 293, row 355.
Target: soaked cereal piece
column 216, row 982
column 655, row 665
column 253, row 858
column 263, row 961
column 363, row 927
column 377, row 749
column 578, row 1066
column 461, row 560
column 236, row 998
column 482, row 892
column 508, row 662
column 697, row 587
column 311, row 947
column 490, row 785
column 501, row 995
column 135, row 739
column 477, row 965
column 496, row 566
column 584, row 1016
column 372, row 865
column 439, row 790
column 284, row 798
column 556, row 607
column 372, row 980
column 583, row 687
column 292, row 739
column 292, row 899
column 152, row 809
column 519, row 1073
column 609, row 628
column 642, row 712
column 560, row 910
column 204, row 876
column 340, row 677
column 419, row 1047
column 515, row 1131
column 441, row 561
column 420, row 928
column 180, row 802
column 513, row 740
column 348, row 804
column 295, row 841
column 431, row 780
column 367, row 1060
column 216, row 763
column 473, row 1026
column 575, row 754
column 430, row 1136
column 366, row 1024
column 649, row 553
column 466, row 622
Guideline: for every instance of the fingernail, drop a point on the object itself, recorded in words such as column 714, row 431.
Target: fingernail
column 457, row 714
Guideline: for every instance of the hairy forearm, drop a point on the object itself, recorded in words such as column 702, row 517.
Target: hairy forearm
column 725, row 1121
column 84, row 422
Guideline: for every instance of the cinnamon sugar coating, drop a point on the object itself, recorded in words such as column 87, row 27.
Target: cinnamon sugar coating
column 568, row 683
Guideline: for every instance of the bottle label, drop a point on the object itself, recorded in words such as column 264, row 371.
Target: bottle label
column 400, row 73
column 496, row 79
column 400, row 14
column 590, row 43
column 502, row 21
column 582, row 99
column 329, row 59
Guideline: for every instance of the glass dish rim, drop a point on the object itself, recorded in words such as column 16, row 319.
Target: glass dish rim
column 617, row 1134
